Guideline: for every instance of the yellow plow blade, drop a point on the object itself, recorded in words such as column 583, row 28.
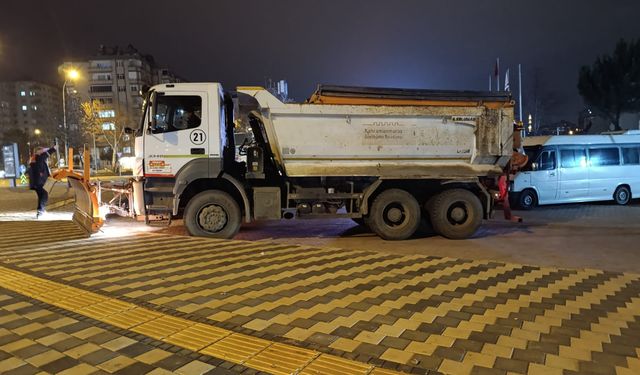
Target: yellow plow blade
column 87, row 210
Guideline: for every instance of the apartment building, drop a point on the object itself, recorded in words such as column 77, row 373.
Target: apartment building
column 31, row 105
column 114, row 77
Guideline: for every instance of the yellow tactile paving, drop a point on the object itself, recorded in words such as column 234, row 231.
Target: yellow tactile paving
column 326, row 365
column 281, row 359
column 234, row 347
column 162, row 327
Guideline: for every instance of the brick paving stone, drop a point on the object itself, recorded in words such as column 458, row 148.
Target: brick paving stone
column 387, row 306
column 25, row 369
column 99, row 356
column 135, row 369
column 172, row 362
column 67, row 344
column 512, row 365
column 60, row 365
column 135, row 349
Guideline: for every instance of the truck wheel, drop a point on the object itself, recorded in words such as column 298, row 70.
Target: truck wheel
column 212, row 213
column 622, row 195
column 456, row 213
column 394, row 215
column 527, row 199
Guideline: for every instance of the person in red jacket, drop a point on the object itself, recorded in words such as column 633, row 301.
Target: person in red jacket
column 38, row 173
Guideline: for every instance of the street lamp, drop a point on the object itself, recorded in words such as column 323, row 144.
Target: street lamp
column 69, row 75
column 37, row 133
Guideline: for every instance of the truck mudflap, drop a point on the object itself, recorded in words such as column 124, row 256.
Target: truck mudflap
column 86, row 213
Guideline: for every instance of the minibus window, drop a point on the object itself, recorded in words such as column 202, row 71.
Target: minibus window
column 547, row 161
column 532, row 153
column 604, row 156
column 573, row 158
column 631, row 155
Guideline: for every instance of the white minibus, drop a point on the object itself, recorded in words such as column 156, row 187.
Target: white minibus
column 578, row 168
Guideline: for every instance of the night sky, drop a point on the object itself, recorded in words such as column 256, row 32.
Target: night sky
column 393, row 43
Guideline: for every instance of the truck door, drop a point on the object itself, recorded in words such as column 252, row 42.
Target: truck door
column 545, row 177
column 178, row 132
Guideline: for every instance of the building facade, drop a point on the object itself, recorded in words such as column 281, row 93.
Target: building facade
column 30, row 105
column 30, row 114
column 113, row 79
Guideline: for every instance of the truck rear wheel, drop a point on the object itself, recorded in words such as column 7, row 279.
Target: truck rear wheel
column 456, row 213
column 394, row 215
column 213, row 213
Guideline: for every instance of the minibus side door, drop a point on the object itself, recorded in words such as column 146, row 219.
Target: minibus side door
column 544, row 177
column 574, row 174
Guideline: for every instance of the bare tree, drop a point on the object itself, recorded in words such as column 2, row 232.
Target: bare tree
column 543, row 102
column 105, row 124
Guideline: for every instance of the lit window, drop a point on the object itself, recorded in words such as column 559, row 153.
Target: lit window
column 107, row 113
column 35, row 107
column 24, row 107
column 108, row 126
column 23, row 93
column 32, row 93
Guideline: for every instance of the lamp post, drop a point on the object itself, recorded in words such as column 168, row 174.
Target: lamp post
column 69, row 75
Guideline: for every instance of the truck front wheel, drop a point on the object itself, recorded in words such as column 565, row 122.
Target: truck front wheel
column 213, row 213
column 394, row 215
column 456, row 213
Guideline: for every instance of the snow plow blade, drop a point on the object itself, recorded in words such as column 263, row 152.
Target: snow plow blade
column 87, row 207
column 86, row 213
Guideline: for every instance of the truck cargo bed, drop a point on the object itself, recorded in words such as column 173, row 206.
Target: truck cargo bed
column 394, row 133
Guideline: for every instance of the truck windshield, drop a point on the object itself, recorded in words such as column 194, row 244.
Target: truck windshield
column 143, row 118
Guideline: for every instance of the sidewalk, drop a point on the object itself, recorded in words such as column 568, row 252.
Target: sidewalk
column 22, row 202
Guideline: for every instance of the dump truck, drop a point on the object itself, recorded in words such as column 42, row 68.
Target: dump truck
column 391, row 159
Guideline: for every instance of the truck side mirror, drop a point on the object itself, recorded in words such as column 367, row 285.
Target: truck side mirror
column 128, row 131
column 534, row 166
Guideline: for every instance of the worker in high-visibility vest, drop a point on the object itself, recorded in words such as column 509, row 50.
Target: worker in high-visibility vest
column 38, row 173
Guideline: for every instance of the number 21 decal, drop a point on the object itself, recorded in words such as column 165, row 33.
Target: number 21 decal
column 197, row 137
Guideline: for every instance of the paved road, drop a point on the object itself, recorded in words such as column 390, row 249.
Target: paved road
column 135, row 299
column 602, row 236
column 252, row 306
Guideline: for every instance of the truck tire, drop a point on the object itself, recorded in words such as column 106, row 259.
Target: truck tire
column 394, row 215
column 527, row 199
column 212, row 213
column 622, row 195
column 456, row 214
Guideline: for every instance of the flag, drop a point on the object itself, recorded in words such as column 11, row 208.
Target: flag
column 506, row 81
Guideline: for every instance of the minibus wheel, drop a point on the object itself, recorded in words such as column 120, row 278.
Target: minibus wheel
column 527, row 199
column 622, row 195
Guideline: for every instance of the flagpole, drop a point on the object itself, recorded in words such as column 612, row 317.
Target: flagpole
column 520, row 89
column 498, row 75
